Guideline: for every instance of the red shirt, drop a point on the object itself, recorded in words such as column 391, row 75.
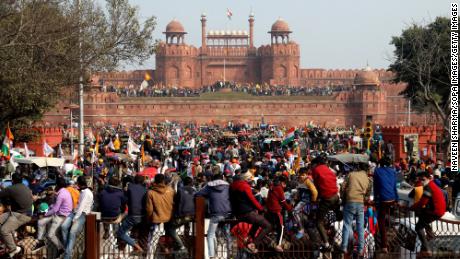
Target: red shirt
column 325, row 181
column 276, row 199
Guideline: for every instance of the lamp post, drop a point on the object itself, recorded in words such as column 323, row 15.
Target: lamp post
column 70, row 108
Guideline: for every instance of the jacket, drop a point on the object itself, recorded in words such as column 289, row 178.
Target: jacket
column 217, row 192
column 185, row 201
column 19, row 197
column 276, row 200
column 112, row 202
column 432, row 200
column 356, row 187
column 136, row 195
column 385, row 184
column 325, row 181
column 159, row 204
column 242, row 198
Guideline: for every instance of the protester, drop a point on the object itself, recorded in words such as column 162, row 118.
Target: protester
column 20, row 201
column 385, row 196
column 245, row 207
column 217, row 191
column 325, row 182
column 55, row 217
column 112, row 203
column 136, row 210
column 184, row 211
column 74, row 223
column 159, row 206
column 275, row 202
column 356, row 191
column 429, row 208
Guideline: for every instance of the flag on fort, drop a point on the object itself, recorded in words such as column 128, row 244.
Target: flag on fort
column 147, row 76
column 289, row 136
column 229, row 14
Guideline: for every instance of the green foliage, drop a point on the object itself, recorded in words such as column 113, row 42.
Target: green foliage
column 423, row 62
column 40, row 54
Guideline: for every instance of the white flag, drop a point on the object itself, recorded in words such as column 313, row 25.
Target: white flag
column 47, row 149
column 111, row 147
column 133, row 147
column 60, row 152
column 26, row 151
column 93, row 157
column 144, row 85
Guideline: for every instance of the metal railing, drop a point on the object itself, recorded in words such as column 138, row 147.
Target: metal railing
column 402, row 239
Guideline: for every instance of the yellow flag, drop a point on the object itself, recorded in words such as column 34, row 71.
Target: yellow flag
column 147, row 76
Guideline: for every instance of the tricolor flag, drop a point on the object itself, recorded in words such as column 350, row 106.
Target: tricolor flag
column 7, row 142
column 47, row 149
column 181, row 141
column 229, row 14
column 289, row 136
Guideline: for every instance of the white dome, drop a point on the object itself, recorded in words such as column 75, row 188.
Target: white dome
column 211, row 32
column 240, row 32
column 245, row 32
column 233, row 32
column 222, row 32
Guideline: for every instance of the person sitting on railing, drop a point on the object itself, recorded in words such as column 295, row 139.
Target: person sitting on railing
column 56, row 215
column 136, row 210
column 112, row 203
column 431, row 207
column 326, row 183
column 385, row 196
column 74, row 223
column 245, row 207
column 159, row 207
column 217, row 191
column 20, row 200
column 275, row 202
column 184, row 212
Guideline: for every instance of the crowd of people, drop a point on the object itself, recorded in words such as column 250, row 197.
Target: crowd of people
column 256, row 90
column 263, row 177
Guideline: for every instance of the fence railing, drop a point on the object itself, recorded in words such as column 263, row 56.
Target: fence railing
column 402, row 239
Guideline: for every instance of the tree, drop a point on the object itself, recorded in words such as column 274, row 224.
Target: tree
column 423, row 62
column 40, row 54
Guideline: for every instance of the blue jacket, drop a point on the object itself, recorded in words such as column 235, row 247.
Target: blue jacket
column 185, row 201
column 111, row 202
column 136, row 199
column 385, row 184
column 217, row 192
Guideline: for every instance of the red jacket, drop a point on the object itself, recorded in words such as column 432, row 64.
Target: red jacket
column 432, row 199
column 325, row 181
column 276, row 199
column 242, row 198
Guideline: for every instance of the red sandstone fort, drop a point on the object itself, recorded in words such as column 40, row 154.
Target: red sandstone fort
column 226, row 55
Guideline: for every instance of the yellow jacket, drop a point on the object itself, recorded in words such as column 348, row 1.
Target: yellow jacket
column 160, row 201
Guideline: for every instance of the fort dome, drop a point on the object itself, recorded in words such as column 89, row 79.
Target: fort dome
column 366, row 77
column 175, row 26
column 280, row 26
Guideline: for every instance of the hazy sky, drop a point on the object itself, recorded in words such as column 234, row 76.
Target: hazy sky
column 331, row 33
